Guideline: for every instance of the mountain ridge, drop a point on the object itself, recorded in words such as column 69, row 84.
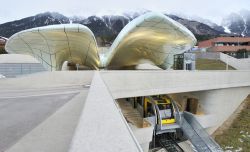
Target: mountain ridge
column 105, row 28
column 238, row 23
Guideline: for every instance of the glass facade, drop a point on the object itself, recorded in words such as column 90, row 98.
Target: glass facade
column 17, row 69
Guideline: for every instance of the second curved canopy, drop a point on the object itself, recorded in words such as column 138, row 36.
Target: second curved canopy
column 152, row 37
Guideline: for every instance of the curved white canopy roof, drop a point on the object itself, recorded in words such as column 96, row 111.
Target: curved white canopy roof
column 151, row 37
column 54, row 44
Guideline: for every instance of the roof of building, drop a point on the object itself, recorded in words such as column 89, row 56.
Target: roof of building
column 54, row 44
column 229, row 39
column 232, row 39
column 229, row 48
column 152, row 37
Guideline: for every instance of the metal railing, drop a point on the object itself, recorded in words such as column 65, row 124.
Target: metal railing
column 239, row 64
column 16, row 69
column 197, row 134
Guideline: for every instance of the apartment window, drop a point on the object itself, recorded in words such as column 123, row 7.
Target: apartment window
column 219, row 44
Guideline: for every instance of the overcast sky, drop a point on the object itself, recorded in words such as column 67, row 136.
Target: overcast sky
column 214, row 10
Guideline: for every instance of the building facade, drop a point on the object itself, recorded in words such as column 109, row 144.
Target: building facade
column 238, row 47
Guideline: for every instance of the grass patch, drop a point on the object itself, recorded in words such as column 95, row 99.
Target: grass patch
column 237, row 136
column 209, row 64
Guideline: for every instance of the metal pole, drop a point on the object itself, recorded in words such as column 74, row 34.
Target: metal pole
column 227, row 63
column 77, row 67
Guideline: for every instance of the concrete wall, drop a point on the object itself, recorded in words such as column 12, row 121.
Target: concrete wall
column 124, row 84
column 213, row 89
column 219, row 92
column 239, row 64
column 206, row 44
column 17, row 69
column 47, row 79
column 221, row 103
column 216, row 105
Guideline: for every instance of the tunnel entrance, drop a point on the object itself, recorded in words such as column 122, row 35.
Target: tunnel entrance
column 149, row 117
column 166, row 122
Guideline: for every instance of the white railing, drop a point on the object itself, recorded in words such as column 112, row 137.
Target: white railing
column 239, row 64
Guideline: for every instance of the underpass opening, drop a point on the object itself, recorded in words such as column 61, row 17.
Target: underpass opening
column 157, row 121
column 188, row 102
column 153, row 120
column 72, row 66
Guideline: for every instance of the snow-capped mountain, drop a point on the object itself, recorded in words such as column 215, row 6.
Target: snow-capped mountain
column 196, row 27
column 104, row 27
column 48, row 18
column 201, row 20
column 208, row 22
column 234, row 23
column 246, row 17
column 238, row 23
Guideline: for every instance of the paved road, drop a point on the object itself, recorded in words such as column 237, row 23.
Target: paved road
column 23, row 110
column 20, row 115
column 12, row 93
column 41, row 111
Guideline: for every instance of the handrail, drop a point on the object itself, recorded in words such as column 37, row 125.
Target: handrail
column 177, row 113
column 199, row 131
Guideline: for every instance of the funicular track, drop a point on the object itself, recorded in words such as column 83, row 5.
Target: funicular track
column 167, row 142
column 191, row 129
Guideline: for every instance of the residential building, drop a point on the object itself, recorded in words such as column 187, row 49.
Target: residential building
column 238, row 47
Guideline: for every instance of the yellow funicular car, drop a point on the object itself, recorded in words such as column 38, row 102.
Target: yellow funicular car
column 162, row 107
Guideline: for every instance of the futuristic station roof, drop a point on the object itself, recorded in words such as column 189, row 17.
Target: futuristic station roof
column 152, row 37
column 52, row 45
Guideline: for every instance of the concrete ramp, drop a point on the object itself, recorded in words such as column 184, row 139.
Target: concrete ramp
column 197, row 134
column 102, row 126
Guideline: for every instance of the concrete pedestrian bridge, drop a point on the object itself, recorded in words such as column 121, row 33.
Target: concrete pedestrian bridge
column 77, row 111
column 82, row 111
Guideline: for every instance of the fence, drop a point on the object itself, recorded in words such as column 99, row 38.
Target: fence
column 208, row 55
column 16, row 69
column 239, row 64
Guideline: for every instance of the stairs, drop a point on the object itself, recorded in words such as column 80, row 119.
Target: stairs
column 132, row 115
